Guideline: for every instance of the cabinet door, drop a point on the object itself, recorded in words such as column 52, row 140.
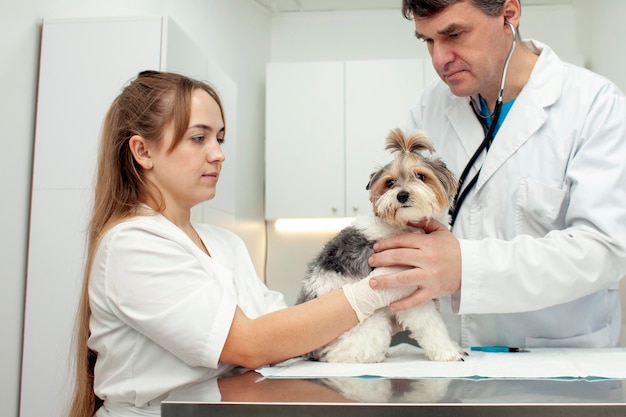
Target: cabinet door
column 378, row 97
column 304, row 152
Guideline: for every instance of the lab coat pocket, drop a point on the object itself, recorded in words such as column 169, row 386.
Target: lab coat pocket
column 539, row 208
column 598, row 339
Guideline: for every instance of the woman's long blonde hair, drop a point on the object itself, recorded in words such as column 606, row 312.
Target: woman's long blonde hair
column 145, row 107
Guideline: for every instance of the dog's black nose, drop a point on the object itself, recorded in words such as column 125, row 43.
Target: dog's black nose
column 403, row 196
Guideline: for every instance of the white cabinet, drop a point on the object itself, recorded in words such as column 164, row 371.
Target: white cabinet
column 304, row 148
column 83, row 65
column 326, row 129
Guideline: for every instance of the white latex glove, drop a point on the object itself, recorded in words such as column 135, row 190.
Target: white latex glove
column 365, row 300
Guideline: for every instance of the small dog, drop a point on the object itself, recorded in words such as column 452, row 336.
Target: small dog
column 409, row 188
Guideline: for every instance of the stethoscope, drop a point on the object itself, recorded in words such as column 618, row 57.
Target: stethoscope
column 486, row 143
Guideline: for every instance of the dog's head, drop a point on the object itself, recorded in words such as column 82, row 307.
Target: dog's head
column 412, row 186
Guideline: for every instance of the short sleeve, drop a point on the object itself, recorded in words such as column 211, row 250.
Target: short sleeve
column 159, row 287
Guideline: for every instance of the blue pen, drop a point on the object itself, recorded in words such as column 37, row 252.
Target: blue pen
column 500, row 349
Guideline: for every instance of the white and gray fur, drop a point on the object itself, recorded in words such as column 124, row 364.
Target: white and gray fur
column 344, row 259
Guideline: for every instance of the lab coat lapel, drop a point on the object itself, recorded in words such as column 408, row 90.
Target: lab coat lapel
column 468, row 129
column 526, row 116
column 517, row 128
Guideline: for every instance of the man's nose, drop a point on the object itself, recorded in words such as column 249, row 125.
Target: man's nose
column 441, row 55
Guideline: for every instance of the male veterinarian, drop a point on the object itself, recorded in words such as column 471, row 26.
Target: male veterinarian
column 538, row 241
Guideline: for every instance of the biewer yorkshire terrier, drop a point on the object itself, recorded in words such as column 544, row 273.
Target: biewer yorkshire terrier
column 409, row 188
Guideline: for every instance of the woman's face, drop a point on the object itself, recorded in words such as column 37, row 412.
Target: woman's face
column 188, row 174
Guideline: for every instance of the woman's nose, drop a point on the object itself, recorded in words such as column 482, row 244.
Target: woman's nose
column 215, row 153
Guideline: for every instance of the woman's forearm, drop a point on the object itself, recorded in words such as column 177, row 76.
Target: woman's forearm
column 289, row 332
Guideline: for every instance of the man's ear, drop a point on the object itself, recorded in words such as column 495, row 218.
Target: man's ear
column 512, row 11
column 137, row 145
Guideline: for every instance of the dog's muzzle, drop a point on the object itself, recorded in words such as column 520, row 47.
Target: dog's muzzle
column 403, row 197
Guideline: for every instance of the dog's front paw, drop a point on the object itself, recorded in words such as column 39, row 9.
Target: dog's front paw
column 445, row 351
column 454, row 356
column 367, row 342
column 353, row 354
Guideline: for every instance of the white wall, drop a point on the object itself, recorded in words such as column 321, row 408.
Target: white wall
column 235, row 34
column 327, row 36
column 601, row 33
column 388, row 35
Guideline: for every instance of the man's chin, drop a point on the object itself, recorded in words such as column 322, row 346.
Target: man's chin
column 460, row 90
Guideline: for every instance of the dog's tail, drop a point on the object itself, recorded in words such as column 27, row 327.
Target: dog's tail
column 413, row 144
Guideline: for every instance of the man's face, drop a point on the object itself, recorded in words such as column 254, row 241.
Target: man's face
column 467, row 47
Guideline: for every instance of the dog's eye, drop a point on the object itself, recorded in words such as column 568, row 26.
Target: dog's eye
column 390, row 183
column 420, row 177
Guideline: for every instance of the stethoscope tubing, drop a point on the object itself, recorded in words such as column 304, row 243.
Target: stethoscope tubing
column 460, row 196
column 462, row 192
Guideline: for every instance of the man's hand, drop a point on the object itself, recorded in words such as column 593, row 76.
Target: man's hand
column 433, row 260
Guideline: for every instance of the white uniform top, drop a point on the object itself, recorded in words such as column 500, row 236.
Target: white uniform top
column 543, row 232
column 161, row 309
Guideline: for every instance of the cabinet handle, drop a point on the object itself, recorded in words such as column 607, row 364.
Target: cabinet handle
column 334, row 209
column 355, row 208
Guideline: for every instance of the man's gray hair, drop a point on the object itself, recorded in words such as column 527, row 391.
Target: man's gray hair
column 427, row 8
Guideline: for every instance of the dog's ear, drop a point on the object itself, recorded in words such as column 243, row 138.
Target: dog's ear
column 445, row 177
column 374, row 176
column 369, row 183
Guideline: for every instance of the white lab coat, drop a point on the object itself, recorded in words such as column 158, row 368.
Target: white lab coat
column 543, row 233
column 161, row 309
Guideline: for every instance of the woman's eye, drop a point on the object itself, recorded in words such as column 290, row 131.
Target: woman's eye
column 198, row 139
column 221, row 141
